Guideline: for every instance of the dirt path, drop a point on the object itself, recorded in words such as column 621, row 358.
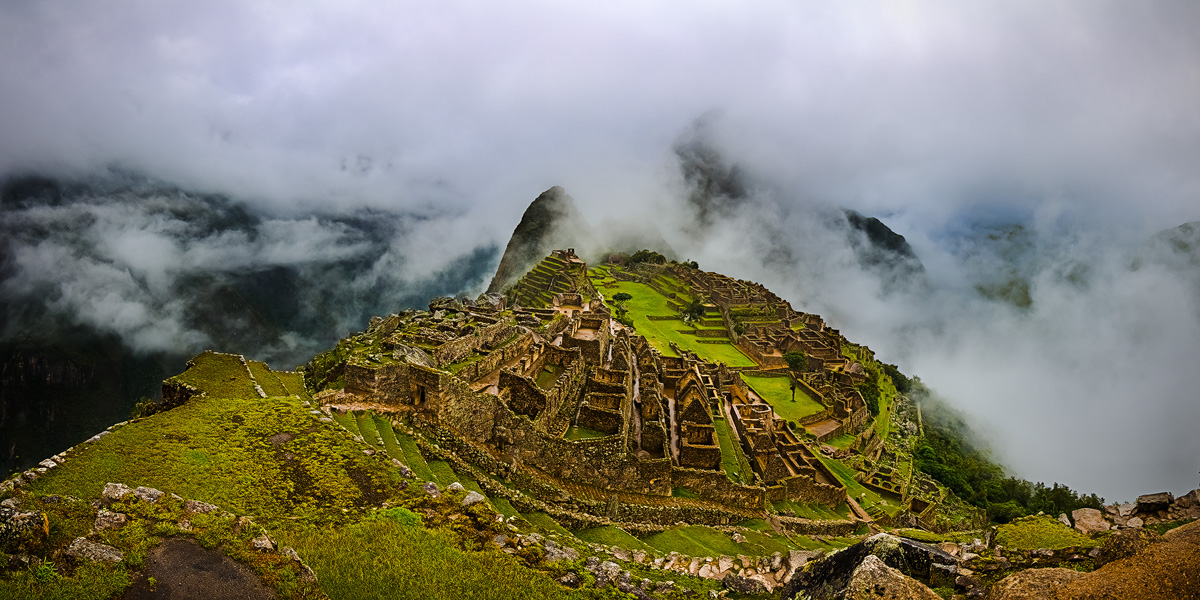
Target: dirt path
column 184, row 571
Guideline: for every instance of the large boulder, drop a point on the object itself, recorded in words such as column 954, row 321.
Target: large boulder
column 743, row 585
column 1160, row 571
column 874, row 580
column 1089, row 521
column 1125, row 543
column 1189, row 500
column 829, row 576
column 1033, row 584
column 22, row 531
column 1149, row 503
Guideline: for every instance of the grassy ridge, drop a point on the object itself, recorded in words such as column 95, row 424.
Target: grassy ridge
column 219, row 376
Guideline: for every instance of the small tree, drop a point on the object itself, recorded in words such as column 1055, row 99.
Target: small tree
column 796, row 361
column 793, row 386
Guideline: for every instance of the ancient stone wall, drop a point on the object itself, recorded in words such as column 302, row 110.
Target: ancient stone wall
column 803, row 488
column 497, row 357
column 599, row 419
column 715, row 486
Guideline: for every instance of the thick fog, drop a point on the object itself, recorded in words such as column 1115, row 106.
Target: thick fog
column 1028, row 151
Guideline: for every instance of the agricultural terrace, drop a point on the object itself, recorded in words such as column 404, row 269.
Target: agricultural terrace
column 777, row 392
column 875, row 503
column 646, row 302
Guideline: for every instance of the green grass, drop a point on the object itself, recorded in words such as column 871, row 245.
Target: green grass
column 546, row 524
column 219, row 376
column 932, row 538
column 217, row 450
column 504, row 507
column 648, row 301
column 842, row 441
column 384, row 427
column 267, row 380
column 548, row 375
column 814, row 511
column 346, row 420
column 366, row 425
column 294, row 382
column 1040, row 531
column 443, row 473
column 733, row 460
column 583, row 433
column 777, row 392
column 868, row 499
column 413, row 457
column 611, row 535
column 381, row 558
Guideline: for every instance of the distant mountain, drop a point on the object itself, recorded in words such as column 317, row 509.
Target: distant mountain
column 551, row 221
column 108, row 284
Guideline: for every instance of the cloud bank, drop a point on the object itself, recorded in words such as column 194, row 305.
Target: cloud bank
column 953, row 122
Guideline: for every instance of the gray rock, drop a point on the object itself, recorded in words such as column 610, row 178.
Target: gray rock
column 1189, row 500
column 22, row 530
column 664, row 586
column 106, row 519
column 8, row 485
column 606, row 573
column 47, row 464
column 146, row 494
column 873, row 579
column 1126, row 509
column 830, row 575
column 196, row 506
column 743, row 585
column 115, row 491
column 1089, row 521
column 1149, row 503
column 263, row 543
column 500, row 540
column 83, row 549
column 473, row 498
column 432, row 489
column 13, row 503
column 455, row 487
column 555, row 552
column 1134, row 522
column 570, row 580
column 1064, row 519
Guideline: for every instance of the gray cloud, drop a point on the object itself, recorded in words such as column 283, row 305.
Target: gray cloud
column 949, row 121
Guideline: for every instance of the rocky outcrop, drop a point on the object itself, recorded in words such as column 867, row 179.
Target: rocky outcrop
column 1089, row 521
column 830, row 576
column 550, row 222
column 83, row 549
column 874, row 580
column 22, row 531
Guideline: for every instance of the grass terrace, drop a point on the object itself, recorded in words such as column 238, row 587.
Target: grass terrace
column 777, row 392
column 648, row 301
column 733, row 460
column 871, row 501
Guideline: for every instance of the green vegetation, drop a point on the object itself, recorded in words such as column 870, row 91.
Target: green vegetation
column 611, row 535
column 959, row 537
column 1040, row 531
column 733, row 460
column 646, row 256
column 947, row 455
column 267, row 380
column 583, row 433
column 796, row 361
column 842, row 441
column 871, row 501
column 647, row 301
column 218, row 375
column 814, row 511
column 777, row 392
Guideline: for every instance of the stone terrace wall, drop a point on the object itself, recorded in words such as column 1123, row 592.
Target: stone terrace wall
column 496, row 358
column 715, row 486
column 458, row 349
column 803, row 488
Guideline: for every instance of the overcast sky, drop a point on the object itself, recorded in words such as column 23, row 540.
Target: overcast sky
column 1078, row 120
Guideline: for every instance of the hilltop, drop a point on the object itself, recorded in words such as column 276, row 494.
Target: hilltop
column 637, row 428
